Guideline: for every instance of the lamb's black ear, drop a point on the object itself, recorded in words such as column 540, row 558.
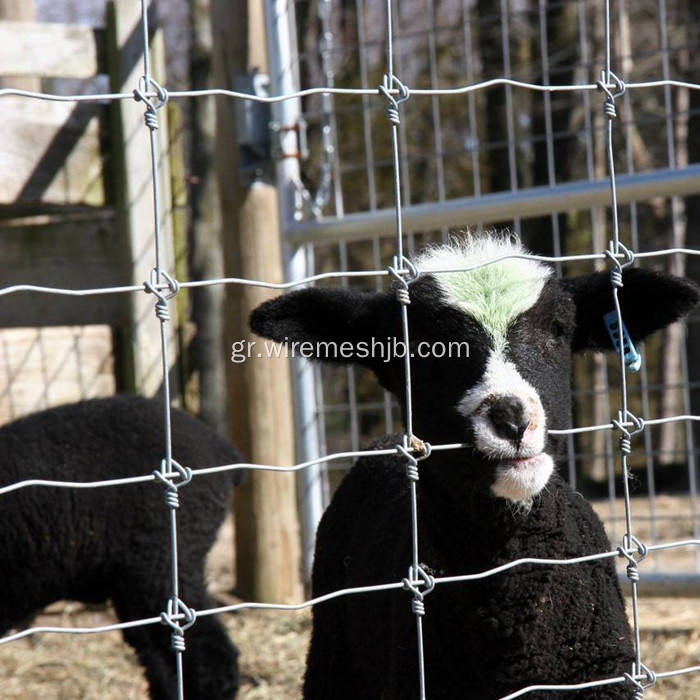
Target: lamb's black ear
column 649, row 300
column 325, row 318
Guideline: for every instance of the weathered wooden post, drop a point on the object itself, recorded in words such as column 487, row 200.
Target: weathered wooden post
column 267, row 530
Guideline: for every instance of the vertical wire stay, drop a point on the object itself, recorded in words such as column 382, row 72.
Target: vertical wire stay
column 400, row 270
column 616, row 251
column 175, row 607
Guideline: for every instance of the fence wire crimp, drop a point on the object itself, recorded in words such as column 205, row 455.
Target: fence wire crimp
column 403, row 272
column 417, row 576
column 630, row 542
column 414, row 445
column 612, row 253
column 626, row 437
column 639, row 688
column 151, row 287
column 172, row 498
column 175, row 607
column 609, row 108
column 392, row 111
column 141, row 95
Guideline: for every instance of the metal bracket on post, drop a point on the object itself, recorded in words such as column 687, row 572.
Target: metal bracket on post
column 253, row 129
column 279, row 132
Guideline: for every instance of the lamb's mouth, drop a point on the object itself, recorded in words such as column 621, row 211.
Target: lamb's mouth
column 529, row 462
column 522, row 478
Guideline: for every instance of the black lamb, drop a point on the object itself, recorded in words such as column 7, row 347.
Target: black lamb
column 511, row 329
column 114, row 542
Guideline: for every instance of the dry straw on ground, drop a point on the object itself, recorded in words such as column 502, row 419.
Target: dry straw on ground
column 273, row 645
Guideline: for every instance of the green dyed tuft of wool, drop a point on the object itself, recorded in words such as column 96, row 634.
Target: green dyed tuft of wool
column 494, row 295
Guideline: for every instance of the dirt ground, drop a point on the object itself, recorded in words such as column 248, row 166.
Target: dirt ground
column 273, row 645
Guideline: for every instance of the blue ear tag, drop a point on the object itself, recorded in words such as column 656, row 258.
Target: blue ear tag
column 633, row 359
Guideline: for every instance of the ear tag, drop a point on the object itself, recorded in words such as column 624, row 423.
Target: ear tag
column 633, row 359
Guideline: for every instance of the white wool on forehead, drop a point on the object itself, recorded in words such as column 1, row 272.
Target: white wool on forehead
column 493, row 295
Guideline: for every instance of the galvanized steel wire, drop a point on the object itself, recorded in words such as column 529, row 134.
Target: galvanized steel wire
column 163, row 287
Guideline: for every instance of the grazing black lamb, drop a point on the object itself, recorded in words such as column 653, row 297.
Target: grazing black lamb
column 497, row 501
column 114, row 542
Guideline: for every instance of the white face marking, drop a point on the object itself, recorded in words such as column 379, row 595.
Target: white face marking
column 525, row 469
column 523, row 481
column 493, row 295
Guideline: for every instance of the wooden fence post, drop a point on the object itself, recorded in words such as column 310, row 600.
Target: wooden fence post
column 267, row 528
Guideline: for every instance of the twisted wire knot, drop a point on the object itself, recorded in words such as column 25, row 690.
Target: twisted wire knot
column 172, row 500
column 398, row 271
column 609, row 105
column 418, row 607
column 411, row 465
column 625, row 440
column 418, row 576
column 625, row 445
column 616, row 277
column 611, row 253
column 175, row 606
column 651, row 676
column 640, row 688
column 633, row 564
column 161, row 306
column 392, row 111
column 140, row 95
column 177, row 641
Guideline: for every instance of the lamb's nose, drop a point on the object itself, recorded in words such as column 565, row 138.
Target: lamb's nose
column 507, row 414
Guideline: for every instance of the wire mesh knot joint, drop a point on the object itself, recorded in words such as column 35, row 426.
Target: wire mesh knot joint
column 151, row 287
column 613, row 253
column 172, row 498
column 141, row 95
column 400, row 270
column 417, row 576
column 609, row 106
column 626, row 438
column 175, row 606
column 392, row 111
column 640, row 688
column 630, row 542
column 411, row 463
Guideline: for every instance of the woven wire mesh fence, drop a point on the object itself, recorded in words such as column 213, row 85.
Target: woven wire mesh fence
column 321, row 222
column 528, row 154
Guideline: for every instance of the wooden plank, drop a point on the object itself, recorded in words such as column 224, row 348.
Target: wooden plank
column 50, row 50
column 73, row 254
column 24, row 11
column 50, row 153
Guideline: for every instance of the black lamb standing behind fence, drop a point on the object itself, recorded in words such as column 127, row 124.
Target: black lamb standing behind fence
column 494, row 502
column 114, row 542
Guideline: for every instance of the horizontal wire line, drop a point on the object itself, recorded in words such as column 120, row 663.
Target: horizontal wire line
column 345, row 592
column 351, row 454
column 363, row 92
column 57, row 483
column 629, row 424
column 193, row 284
column 606, row 681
